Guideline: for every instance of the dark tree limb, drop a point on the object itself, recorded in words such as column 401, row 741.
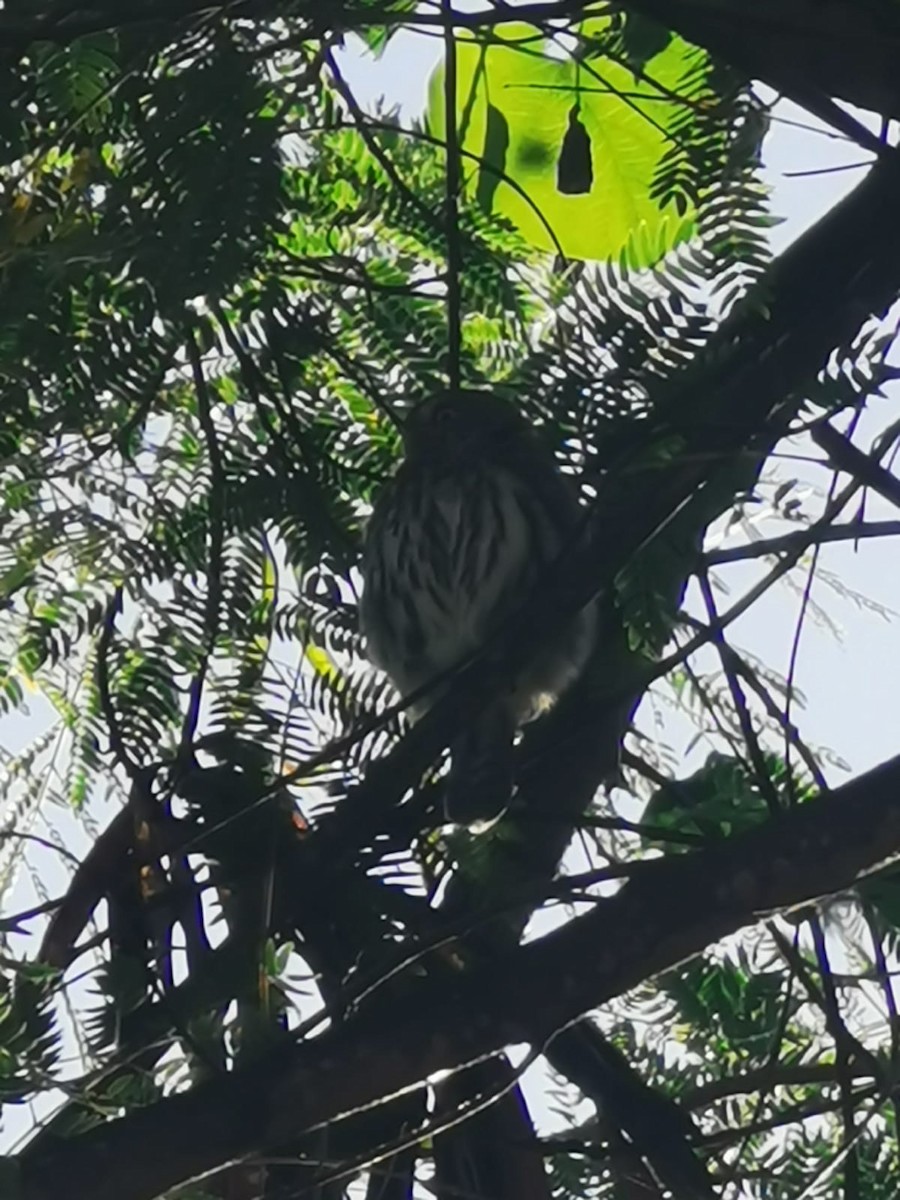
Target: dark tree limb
column 807, row 50
column 846, row 457
column 494, row 1155
column 658, row 1130
column 669, row 911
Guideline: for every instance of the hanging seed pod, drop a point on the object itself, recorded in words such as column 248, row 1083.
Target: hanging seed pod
column 574, row 171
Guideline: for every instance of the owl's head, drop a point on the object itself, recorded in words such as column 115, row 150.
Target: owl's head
column 462, row 426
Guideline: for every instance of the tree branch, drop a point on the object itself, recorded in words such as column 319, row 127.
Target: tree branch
column 808, row 52
column 846, row 457
column 849, row 531
column 670, row 909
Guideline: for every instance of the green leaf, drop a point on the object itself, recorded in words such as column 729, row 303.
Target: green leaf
column 567, row 150
column 77, row 77
column 722, row 799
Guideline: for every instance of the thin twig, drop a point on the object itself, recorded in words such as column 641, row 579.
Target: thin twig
column 451, row 214
column 739, row 700
column 798, row 631
column 842, row 1051
column 850, row 531
column 768, row 1076
column 364, row 126
column 216, row 539
column 790, row 730
column 883, row 975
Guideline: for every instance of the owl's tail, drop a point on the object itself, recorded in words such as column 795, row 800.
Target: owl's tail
column 480, row 783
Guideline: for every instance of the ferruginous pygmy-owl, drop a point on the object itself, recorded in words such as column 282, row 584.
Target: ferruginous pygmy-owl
column 456, row 541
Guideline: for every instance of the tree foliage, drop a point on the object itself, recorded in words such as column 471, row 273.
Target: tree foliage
column 223, row 284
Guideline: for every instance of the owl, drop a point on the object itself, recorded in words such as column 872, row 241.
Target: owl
column 477, row 512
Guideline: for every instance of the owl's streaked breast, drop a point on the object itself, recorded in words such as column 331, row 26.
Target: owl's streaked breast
column 456, row 558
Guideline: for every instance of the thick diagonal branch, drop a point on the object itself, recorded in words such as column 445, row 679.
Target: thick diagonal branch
column 669, row 910
column 801, row 47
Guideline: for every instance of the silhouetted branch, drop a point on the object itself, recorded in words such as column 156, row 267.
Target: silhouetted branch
column 809, row 53
column 849, row 531
column 669, row 910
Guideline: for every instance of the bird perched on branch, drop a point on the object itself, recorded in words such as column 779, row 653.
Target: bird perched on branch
column 477, row 512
